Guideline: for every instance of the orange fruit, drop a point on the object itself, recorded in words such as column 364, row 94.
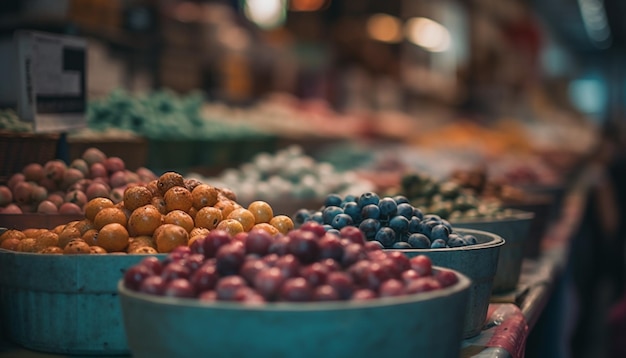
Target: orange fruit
column 169, row 180
column 84, row 225
column 226, row 206
column 199, row 231
column 244, row 216
column 90, row 237
column 51, row 250
column 68, row 234
column 10, row 244
column 159, row 203
column 136, row 196
column 194, row 238
column 231, row 226
column 208, row 217
column 204, row 195
column 57, row 229
column 170, row 236
column 154, row 188
column 109, row 216
column 143, row 250
column 33, row 232
column 262, row 211
column 12, row 234
column 266, row 227
column 94, row 206
column 283, row 223
column 28, row 245
column 47, row 238
column 96, row 250
column 178, row 198
column 144, row 240
column 227, row 193
column 180, row 218
column 192, row 212
column 76, row 247
column 112, row 237
column 144, row 220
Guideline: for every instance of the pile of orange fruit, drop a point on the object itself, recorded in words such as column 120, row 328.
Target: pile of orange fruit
column 154, row 218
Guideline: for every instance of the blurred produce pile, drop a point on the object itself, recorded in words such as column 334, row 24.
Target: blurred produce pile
column 163, row 115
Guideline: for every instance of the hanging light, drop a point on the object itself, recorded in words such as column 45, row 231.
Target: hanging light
column 428, row 34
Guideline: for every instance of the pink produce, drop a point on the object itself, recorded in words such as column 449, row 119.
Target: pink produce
column 55, row 169
column 96, row 189
column 118, row 179
column 93, row 155
column 71, row 176
column 14, row 179
column 114, row 164
column 6, row 196
column 70, row 208
column 98, row 170
column 22, row 192
column 11, row 209
column 33, row 172
column 47, row 207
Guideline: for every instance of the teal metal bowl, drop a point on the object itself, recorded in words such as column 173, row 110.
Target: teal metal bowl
column 479, row 263
column 64, row 304
column 428, row 323
column 515, row 229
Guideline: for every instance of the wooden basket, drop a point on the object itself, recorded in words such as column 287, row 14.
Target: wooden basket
column 19, row 149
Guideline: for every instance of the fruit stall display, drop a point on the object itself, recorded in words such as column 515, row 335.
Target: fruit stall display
column 394, row 224
column 288, row 179
column 345, row 288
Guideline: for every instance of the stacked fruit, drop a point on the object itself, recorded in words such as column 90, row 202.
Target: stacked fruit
column 390, row 222
column 307, row 264
column 56, row 187
column 154, row 218
column 447, row 198
column 287, row 174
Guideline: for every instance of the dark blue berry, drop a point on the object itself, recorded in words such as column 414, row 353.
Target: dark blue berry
column 333, row 200
column 386, row 236
column 368, row 198
column 329, row 213
column 354, row 210
column 301, row 216
column 317, row 217
column 401, row 245
column 399, row 224
column 456, row 242
column 341, row 220
column 419, row 241
column 405, row 210
column 470, row 239
column 439, row 232
column 437, row 244
column 369, row 227
column 417, row 212
column 387, row 207
column 371, row 211
column 414, row 225
column 401, row 199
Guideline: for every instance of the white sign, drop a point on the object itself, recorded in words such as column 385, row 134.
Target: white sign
column 51, row 83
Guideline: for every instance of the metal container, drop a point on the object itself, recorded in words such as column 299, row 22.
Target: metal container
column 479, row 263
column 426, row 323
column 515, row 230
column 64, row 304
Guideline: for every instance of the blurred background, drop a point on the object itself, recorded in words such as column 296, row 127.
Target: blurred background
column 530, row 91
